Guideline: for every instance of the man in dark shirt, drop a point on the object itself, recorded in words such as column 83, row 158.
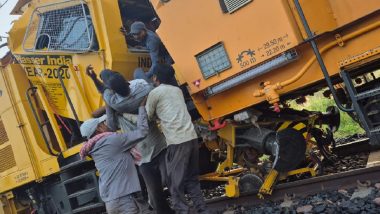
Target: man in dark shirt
column 157, row 50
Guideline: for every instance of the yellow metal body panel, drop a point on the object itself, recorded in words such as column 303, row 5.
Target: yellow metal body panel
column 268, row 184
column 113, row 54
column 250, row 28
column 32, row 161
column 320, row 20
column 347, row 11
column 208, row 26
column 224, row 172
column 273, row 176
column 72, row 151
column 50, row 113
column 228, row 134
column 232, row 188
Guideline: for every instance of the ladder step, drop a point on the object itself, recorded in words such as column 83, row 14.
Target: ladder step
column 369, row 93
column 77, row 178
column 88, row 207
column 74, row 164
column 82, row 192
column 375, row 131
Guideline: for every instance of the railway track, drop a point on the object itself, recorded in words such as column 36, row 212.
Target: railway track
column 310, row 186
column 345, row 180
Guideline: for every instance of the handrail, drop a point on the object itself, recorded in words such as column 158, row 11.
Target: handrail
column 67, row 95
column 33, row 89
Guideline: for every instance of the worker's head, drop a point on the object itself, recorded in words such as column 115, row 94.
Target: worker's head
column 163, row 74
column 138, row 31
column 155, row 23
column 115, row 81
column 93, row 127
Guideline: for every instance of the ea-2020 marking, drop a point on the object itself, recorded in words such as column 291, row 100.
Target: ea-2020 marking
column 51, row 73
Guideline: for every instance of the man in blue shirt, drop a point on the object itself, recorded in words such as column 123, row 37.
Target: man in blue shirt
column 119, row 185
column 157, row 50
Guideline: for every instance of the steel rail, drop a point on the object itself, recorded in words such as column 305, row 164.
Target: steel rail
column 344, row 180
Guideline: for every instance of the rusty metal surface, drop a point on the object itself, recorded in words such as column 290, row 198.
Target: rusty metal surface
column 305, row 187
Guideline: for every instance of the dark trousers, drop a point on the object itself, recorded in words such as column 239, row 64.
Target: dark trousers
column 130, row 204
column 154, row 173
column 182, row 164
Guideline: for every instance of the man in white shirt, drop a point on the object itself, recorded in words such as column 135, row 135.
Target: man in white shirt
column 167, row 103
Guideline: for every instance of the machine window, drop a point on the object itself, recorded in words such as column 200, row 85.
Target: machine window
column 230, row 6
column 213, row 60
column 64, row 26
column 137, row 10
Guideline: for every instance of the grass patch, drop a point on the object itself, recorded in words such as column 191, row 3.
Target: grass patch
column 319, row 103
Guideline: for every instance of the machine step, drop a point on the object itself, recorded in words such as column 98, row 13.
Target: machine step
column 89, row 207
column 77, row 178
column 74, row 164
column 369, row 93
column 76, row 194
column 375, row 131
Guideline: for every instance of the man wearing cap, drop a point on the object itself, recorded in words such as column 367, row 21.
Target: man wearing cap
column 152, row 149
column 157, row 50
column 119, row 185
column 167, row 103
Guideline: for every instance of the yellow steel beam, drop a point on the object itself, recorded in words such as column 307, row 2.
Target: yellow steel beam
column 72, row 151
column 53, row 122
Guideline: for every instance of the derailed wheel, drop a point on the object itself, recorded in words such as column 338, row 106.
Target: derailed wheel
column 292, row 148
column 250, row 184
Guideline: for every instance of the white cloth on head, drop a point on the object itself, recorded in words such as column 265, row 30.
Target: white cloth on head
column 88, row 128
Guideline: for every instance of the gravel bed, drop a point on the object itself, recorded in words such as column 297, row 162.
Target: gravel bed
column 360, row 200
column 213, row 193
column 343, row 164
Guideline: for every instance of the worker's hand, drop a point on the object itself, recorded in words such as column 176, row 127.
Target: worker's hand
column 99, row 112
column 143, row 103
column 90, row 72
column 123, row 30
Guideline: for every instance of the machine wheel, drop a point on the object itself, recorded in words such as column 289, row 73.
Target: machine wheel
column 292, row 148
column 250, row 184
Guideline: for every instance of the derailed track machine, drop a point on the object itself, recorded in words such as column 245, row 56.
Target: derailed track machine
column 253, row 158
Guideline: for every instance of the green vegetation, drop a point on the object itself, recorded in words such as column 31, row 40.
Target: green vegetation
column 319, row 103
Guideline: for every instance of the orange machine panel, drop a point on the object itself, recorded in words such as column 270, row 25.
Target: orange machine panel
column 225, row 50
column 250, row 35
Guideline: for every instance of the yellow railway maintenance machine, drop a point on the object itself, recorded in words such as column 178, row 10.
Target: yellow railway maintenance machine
column 240, row 61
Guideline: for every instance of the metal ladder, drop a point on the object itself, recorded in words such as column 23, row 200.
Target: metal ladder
column 372, row 130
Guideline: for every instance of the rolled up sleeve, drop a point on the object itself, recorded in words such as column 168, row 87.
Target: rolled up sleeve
column 133, row 137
